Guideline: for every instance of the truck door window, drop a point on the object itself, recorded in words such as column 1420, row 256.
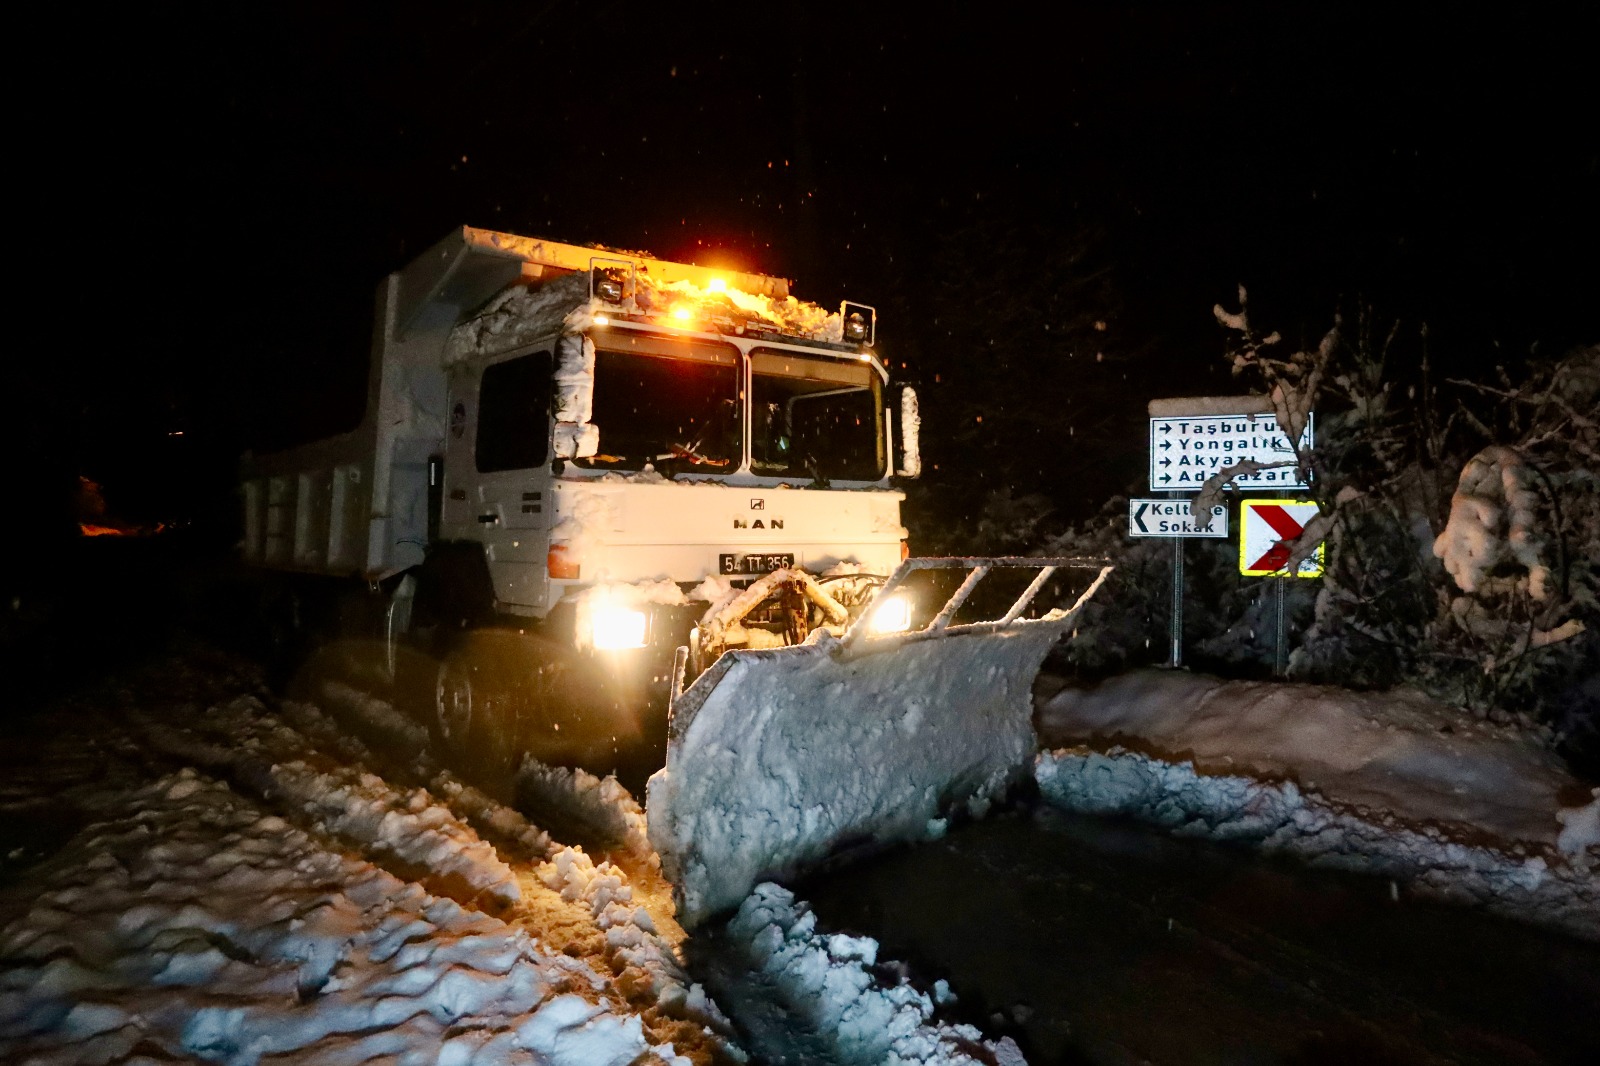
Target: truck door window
column 669, row 402
column 514, row 414
column 815, row 418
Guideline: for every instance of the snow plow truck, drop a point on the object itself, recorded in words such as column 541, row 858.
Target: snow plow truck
column 627, row 514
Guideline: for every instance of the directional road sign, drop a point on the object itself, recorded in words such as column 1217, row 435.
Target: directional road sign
column 1186, row 450
column 1171, row 518
column 1267, row 531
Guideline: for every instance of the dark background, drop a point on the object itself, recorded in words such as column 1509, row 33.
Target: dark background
column 1043, row 203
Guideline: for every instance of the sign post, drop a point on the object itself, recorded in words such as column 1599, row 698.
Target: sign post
column 1172, row 517
column 1267, row 528
column 1175, row 659
column 1280, row 653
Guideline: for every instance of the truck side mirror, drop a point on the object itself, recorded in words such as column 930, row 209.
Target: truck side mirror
column 909, row 462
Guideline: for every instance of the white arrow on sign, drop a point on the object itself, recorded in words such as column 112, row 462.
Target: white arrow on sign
column 1172, row 518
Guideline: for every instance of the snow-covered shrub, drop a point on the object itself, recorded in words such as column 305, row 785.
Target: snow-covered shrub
column 1461, row 544
column 1494, row 519
column 1463, row 531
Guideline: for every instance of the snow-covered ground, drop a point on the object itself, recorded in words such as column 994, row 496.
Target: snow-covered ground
column 194, row 923
column 245, row 886
column 195, row 869
column 1391, row 783
column 224, row 877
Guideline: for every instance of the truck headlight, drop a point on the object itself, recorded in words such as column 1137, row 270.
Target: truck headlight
column 893, row 615
column 613, row 627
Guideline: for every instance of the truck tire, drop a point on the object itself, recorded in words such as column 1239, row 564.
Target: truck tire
column 477, row 712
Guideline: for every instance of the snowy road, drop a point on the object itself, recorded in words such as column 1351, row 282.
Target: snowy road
column 194, row 869
column 191, row 867
column 1109, row 942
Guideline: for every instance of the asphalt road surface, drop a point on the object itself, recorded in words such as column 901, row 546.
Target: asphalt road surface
column 1095, row 941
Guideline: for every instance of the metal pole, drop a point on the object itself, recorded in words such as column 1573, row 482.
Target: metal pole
column 1279, row 658
column 1176, row 659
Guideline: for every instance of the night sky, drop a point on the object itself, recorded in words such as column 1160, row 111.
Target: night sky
column 1043, row 209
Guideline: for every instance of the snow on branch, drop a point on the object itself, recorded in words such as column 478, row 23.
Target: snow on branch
column 1493, row 519
column 1210, row 495
column 1293, row 382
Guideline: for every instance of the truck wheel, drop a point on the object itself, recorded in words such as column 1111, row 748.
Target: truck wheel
column 476, row 715
column 452, row 706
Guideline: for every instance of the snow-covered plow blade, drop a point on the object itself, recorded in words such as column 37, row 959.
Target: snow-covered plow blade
column 777, row 758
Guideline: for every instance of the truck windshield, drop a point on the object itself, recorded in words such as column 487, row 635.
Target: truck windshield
column 816, row 418
column 674, row 403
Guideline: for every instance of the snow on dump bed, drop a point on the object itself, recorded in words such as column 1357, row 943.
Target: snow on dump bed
column 783, row 314
column 522, row 314
column 795, row 753
column 195, row 925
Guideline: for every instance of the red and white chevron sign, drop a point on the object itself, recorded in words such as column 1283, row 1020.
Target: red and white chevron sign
column 1267, row 530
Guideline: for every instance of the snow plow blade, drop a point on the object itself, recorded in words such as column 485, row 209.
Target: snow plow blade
column 778, row 758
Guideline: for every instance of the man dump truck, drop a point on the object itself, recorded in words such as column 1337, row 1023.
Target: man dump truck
column 625, row 513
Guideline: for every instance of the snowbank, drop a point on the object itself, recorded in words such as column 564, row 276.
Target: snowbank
column 409, row 826
column 1387, row 782
column 1398, row 751
column 402, row 825
column 195, row 925
column 1281, row 817
column 631, row 937
column 374, row 715
column 827, row 984
column 602, row 805
column 796, row 753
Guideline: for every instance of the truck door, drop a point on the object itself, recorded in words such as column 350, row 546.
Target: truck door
column 497, row 478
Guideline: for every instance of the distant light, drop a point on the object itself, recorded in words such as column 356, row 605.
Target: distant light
column 718, row 285
column 174, row 432
column 681, row 313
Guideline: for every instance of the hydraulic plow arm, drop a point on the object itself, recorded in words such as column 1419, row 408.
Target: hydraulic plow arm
column 980, row 568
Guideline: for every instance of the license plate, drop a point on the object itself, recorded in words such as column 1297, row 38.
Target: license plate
column 765, row 563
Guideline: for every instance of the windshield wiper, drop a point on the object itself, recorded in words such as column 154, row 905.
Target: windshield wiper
column 814, row 468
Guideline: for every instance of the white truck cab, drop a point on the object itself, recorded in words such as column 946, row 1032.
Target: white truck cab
column 713, row 456
column 598, row 446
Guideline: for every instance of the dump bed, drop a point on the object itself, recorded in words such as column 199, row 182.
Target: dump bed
column 358, row 504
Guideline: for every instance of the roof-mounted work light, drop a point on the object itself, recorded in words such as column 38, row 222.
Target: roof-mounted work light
column 607, row 287
column 609, row 280
column 860, row 323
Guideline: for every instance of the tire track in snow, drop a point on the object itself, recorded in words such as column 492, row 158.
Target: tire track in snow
column 802, row 997
column 556, row 893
